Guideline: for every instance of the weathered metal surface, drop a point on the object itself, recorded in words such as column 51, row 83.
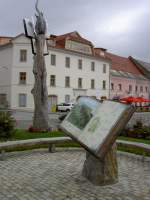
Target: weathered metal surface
column 96, row 125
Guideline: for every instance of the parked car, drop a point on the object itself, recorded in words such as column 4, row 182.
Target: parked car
column 64, row 107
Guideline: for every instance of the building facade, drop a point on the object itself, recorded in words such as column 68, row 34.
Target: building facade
column 74, row 68
column 127, row 79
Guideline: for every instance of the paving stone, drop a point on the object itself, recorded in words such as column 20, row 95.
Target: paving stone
column 39, row 175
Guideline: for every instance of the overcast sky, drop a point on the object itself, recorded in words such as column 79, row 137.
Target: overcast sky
column 121, row 26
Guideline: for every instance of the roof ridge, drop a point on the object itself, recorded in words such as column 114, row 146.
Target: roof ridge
column 117, row 55
column 5, row 36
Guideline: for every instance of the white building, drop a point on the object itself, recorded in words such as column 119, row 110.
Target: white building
column 74, row 68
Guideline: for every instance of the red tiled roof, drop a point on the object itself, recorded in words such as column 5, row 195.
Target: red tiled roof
column 143, row 66
column 120, row 63
column 74, row 36
column 4, row 40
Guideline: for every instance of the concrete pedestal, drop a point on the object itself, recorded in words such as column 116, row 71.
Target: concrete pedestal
column 101, row 172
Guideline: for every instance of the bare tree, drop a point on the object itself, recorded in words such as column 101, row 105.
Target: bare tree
column 40, row 94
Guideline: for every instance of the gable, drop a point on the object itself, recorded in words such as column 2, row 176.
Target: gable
column 21, row 39
column 75, row 34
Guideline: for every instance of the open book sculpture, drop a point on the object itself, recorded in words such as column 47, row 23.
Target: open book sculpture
column 96, row 125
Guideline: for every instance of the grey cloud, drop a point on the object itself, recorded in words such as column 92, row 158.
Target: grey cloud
column 85, row 16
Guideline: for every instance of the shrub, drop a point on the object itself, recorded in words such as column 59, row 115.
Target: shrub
column 37, row 130
column 138, row 125
column 138, row 131
column 7, row 124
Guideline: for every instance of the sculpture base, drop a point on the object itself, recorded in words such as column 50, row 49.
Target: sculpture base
column 101, row 172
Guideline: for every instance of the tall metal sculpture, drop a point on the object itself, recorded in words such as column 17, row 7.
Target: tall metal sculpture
column 37, row 33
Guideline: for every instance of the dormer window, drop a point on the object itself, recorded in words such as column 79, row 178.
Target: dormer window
column 79, row 47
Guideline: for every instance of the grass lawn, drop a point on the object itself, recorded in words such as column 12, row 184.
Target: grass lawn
column 132, row 150
column 20, row 134
column 145, row 141
column 24, row 134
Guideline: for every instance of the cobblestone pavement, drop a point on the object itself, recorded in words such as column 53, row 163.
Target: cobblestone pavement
column 39, row 175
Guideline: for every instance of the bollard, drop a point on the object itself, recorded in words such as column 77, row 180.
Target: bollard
column 2, row 156
column 51, row 148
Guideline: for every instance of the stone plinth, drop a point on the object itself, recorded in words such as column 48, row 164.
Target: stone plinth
column 101, row 172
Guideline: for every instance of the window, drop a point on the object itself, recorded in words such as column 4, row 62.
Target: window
column 92, row 66
column 53, row 59
column 112, row 86
column 130, row 88
column 53, row 80
column 22, row 78
column 67, row 62
column 67, row 81
column 23, row 55
column 104, row 85
column 92, row 83
column 79, row 64
column 3, row 99
column 104, row 68
column 67, row 98
column 136, row 88
column 141, row 89
column 79, row 82
column 120, row 87
column 22, row 100
column 146, row 89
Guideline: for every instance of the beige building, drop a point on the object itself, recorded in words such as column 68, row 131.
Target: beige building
column 74, row 68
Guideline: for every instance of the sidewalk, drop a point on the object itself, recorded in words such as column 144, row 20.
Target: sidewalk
column 39, row 175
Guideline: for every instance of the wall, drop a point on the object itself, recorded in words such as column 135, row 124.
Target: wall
column 74, row 73
column 125, row 82
column 144, row 117
column 5, row 71
column 60, row 71
column 18, row 44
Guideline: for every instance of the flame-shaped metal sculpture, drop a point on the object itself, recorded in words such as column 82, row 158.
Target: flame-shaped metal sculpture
column 36, row 6
column 40, row 27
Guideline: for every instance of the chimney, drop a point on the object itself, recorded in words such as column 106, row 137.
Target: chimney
column 100, row 51
column 52, row 40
